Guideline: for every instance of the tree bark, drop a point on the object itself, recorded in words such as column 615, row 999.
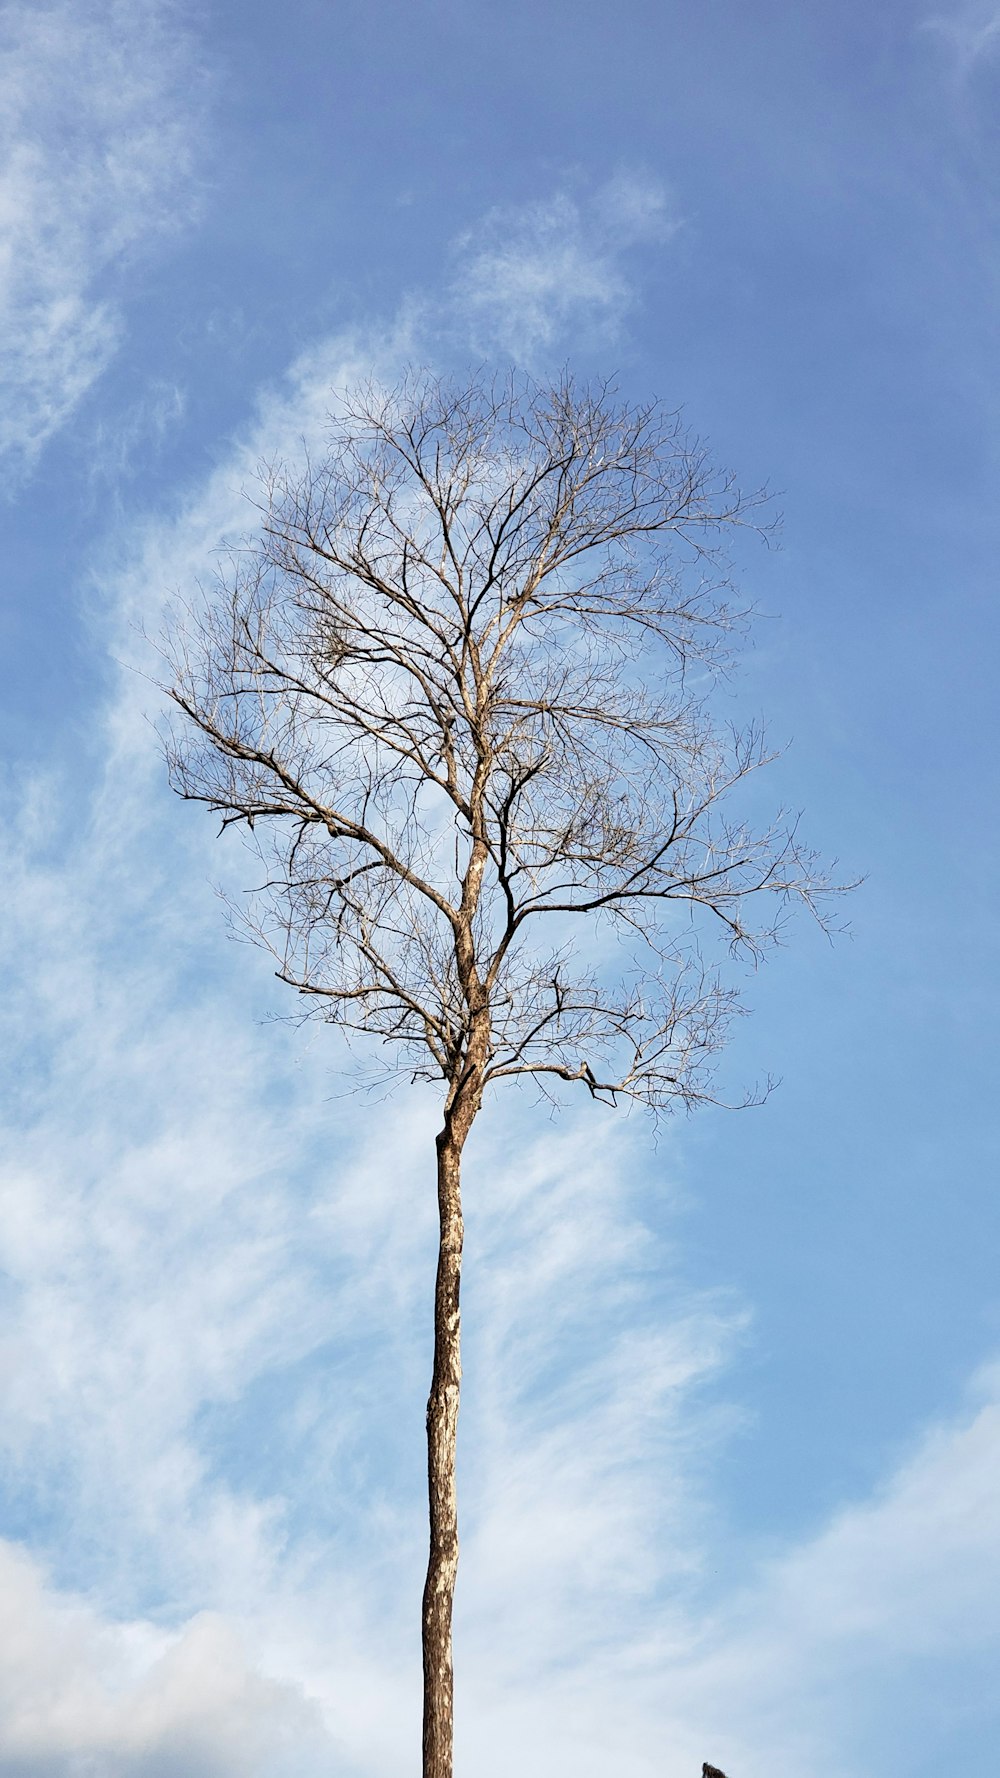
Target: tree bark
column 442, row 1428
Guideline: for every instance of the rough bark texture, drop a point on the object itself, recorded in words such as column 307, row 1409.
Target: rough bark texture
column 442, row 1428
column 464, row 1099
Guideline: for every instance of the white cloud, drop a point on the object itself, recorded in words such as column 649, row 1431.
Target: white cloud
column 97, row 139
column 530, row 276
column 83, row 1694
column 819, row 1666
column 585, row 1445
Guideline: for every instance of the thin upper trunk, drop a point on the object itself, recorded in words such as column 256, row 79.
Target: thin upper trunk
column 442, row 1428
column 462, row 1105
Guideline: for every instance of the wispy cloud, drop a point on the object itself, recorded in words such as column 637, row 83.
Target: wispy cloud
column 117, row 447
column 98, row 136
column 972, row 34
column 529, row 275
column 809, row 1670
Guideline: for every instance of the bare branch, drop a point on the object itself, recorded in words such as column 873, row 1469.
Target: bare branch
column 459, row 680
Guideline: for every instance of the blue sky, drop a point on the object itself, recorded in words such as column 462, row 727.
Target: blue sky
column 731, row 1430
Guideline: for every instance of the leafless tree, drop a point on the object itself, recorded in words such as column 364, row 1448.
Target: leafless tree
column 455, row 687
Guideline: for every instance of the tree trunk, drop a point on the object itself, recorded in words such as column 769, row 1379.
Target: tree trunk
column 442, row 1427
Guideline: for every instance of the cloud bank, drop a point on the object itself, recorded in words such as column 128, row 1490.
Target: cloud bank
column 81, row 1694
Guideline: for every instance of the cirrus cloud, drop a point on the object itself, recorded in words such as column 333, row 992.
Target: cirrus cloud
column 98, row 142
column 529, row 274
